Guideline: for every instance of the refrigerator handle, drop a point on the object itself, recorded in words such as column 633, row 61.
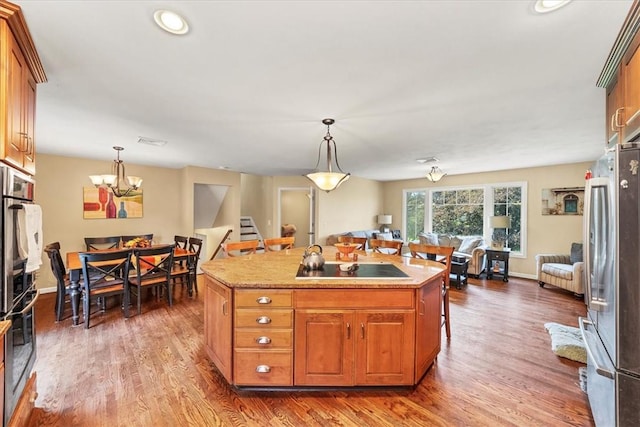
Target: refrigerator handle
column 599, row 369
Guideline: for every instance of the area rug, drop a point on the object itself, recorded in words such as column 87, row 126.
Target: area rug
column 566, row 341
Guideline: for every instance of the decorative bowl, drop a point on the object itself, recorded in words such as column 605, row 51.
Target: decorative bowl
column 346, row 248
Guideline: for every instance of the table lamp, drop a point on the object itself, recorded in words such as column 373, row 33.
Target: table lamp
column 384, row 221
column 499, row 224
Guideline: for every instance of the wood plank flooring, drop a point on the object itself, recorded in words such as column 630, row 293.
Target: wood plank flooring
column 151, row 370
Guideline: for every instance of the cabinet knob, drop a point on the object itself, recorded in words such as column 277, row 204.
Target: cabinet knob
column 263, row 369
column 263, row 300
column 263, row 340
column 263, row 320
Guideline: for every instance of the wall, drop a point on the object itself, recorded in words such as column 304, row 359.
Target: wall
column 546, row 233
column 167, row 206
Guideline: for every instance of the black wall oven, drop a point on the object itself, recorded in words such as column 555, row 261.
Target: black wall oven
column 18, row 289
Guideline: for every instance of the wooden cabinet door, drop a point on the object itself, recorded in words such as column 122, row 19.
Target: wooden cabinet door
column 428, row 326
column 29, row 124
column 324, row 347
column 218, row 325
column 12, row 148
column 630, row 69
column 614, row 112
column 385, row 347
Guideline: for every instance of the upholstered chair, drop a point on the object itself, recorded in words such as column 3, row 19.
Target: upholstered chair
column 565, row 271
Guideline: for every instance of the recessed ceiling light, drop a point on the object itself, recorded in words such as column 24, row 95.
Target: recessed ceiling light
column 546, row 6
column 171, row 22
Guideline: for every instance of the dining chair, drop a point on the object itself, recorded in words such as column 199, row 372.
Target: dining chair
column 98, row 243
column 244, row 247
column 279, row 243
column 195, row 246
column 442, row 254
column 63, row 289
column 153, row 270
column 362, row 241
column 188, row 268
column 181, row 241
column 104, row 274
column 389, row 247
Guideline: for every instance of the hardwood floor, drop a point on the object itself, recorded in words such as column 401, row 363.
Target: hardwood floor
column 151, row 370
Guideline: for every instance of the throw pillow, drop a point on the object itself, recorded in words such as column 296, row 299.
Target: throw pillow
column 444, row 240
column 385, row 236
column 576, row 253
column 469, row 244
column 455, row 242
column 429, row 239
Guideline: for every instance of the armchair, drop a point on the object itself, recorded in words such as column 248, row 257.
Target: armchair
column 559, row 270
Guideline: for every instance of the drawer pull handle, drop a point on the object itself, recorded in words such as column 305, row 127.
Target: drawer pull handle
column 263, row 369
column 263, row 320
column 263, row 300
column 263, row 340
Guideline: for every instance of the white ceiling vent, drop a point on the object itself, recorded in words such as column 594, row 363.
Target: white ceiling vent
column 151, row 141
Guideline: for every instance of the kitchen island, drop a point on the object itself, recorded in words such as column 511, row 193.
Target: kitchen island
column 269, row 325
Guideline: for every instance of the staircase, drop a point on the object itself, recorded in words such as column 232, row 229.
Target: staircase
column 249, row 231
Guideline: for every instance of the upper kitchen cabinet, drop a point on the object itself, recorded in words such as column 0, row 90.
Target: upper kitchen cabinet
column 615, row 111
column 630, row 75
column 20, row 71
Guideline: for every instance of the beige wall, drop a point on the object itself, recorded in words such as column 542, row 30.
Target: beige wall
column 546, row 233
column 167, row 206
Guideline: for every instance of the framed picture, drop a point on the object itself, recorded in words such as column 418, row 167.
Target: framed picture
column 101, row 203
column 563, row 201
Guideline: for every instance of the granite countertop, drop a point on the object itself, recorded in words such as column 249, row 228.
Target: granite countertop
column 278, row 270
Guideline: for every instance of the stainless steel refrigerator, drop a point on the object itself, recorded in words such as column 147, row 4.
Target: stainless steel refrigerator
column 611, row 330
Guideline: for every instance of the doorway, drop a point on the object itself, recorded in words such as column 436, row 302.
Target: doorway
column 296, row 205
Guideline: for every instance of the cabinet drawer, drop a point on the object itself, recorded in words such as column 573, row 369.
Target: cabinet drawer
column 263, row 298
column 273, row 367
column 355, row 298
column 267, row 338
column 255, row 318
column 497, row 256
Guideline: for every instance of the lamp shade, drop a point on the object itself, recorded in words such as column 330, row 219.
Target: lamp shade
column 384, row 219
column 500, row 221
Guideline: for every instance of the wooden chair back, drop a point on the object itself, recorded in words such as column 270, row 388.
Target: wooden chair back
column 279, row 243
column 99, row 243
column 392, row 247
column 153, row 268
column 244, row 247
column 105, row 274
column 181, row 241
column 445, row 253
column 362, row 241
column 439, row 253
column 63, row 286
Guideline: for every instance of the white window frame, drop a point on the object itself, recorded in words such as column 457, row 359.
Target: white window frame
column 487, row 209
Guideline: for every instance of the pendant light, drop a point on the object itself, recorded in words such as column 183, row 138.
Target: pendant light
column 116, row 181
column 328, row 180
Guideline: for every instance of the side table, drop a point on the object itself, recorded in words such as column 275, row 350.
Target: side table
column 497, row 263
column 459, row 267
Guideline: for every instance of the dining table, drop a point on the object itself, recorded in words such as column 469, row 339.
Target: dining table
column 74, row 267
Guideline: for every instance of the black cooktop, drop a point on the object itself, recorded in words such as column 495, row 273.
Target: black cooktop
column 332, row 271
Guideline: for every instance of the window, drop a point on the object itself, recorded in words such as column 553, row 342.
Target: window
column 465, row 211
column 458, row 212
column 507, row 200
column 414, row 207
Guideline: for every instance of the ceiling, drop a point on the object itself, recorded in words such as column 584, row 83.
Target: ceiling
column 481, row 85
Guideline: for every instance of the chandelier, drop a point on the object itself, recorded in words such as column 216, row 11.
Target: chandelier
column 116, row 181
column 435, row 174
column 328, row 180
